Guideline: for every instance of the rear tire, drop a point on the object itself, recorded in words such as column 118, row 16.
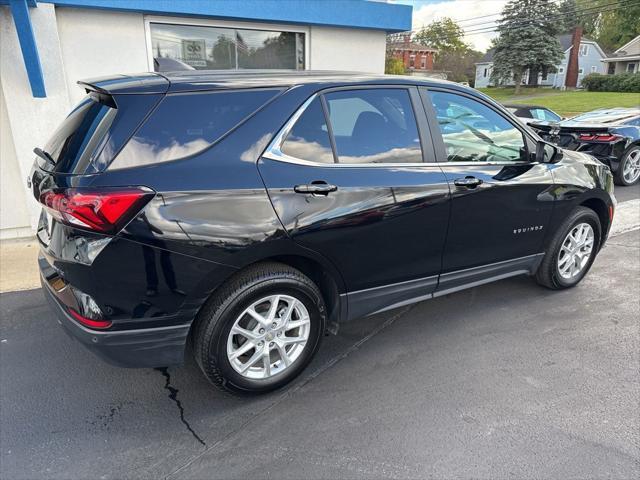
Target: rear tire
column 628, row 172
column 259, row 316
column 572, row 250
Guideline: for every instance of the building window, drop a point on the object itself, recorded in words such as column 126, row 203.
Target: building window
column 485, row 73
column 594, row 69
column 177, row 47
column 584, row 50
column 580, row 71
column 560, row 69
column 423, row 62
column 412, row 61
column 631, row 67
column 544, row 76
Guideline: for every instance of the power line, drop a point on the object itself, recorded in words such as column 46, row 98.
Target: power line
column 581, row 13
column 585, row 12
column 488, row 22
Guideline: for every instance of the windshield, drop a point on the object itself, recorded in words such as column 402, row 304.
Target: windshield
column 72, row 145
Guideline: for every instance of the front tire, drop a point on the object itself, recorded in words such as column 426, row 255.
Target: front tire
column 628, row 172
column 260, row 330
column 572, row 250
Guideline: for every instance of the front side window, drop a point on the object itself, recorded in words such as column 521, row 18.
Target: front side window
column 309, row 138
column 374, row 126
column 473, row 132
column 194, row 47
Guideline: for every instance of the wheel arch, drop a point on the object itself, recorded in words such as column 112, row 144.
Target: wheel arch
column 328, row 281
column 323, row 274
column 602, row 210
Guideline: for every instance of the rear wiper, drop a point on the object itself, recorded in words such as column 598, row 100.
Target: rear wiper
column 44, row 155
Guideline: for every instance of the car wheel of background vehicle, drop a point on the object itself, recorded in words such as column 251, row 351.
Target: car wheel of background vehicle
column 571, row 251
column 629, row 169
column 260, row 330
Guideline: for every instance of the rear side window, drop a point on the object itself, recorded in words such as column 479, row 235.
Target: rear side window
column 185, row 124
column 374, row 126
column 72, row 145
column 309, row 137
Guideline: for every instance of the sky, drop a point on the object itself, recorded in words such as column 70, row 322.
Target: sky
column 426, row 11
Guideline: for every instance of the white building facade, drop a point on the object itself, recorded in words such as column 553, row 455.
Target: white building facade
column 47, row 46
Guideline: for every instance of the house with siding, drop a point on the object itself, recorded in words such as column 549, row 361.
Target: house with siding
column 590, row 60
column 626, row 59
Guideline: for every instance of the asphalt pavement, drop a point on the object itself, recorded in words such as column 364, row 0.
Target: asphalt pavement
column 503, row 380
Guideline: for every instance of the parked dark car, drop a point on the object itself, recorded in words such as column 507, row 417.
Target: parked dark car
column 247, row 214
column 610, row 135
column 532, row 113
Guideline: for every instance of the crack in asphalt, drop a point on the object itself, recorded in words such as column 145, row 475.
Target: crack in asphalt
column 173, row 395
column 293, row 390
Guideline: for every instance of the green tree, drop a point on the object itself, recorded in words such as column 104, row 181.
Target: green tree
column 393, row 66
column 444, row 35
column 612, row 23
column 527, row 40
column 454, row 56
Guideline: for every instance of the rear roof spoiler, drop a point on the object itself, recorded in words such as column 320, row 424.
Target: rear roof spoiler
column 143, row 83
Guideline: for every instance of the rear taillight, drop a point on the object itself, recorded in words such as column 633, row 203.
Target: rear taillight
column 599, row 137
column 105, row 210
column 89, row 322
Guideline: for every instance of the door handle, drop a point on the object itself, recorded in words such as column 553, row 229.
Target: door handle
column 469, row 182
column 317, row 187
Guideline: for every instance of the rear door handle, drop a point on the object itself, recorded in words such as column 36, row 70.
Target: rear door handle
column 469, row 182
column 320, row 188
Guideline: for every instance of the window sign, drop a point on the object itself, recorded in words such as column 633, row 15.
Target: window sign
column 194, row 52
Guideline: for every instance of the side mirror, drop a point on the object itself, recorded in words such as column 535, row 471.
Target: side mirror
column 547, row 153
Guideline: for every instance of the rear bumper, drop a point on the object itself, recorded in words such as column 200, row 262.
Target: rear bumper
column 142, row 348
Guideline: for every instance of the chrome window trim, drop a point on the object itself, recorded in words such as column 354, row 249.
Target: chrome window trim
column 274, row 151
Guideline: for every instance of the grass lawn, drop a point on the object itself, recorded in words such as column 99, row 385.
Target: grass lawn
column 566, row 103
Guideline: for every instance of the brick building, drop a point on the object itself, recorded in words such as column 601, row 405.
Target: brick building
column 416, row 57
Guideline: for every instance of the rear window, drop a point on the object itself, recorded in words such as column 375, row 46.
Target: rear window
column 185, row 124
column 78, row 137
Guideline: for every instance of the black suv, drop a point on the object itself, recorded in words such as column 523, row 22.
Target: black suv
column 247, row 214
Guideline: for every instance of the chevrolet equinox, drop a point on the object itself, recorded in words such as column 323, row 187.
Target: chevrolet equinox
column 247, row 214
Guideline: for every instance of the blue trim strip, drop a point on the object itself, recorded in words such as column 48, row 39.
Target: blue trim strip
column 20, row 13
column 337, row 13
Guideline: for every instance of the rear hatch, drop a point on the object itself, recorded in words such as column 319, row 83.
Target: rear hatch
column 82, row 147
column 586, row 127
column 566, row 134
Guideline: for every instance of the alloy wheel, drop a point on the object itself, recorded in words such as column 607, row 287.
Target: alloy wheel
column 268, row 336
column 576, row 251
column 631, row 167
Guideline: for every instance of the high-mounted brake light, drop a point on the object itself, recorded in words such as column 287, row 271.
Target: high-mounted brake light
column 105, row 211
column 599, row 137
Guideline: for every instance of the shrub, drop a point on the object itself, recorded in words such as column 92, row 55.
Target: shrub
column 393, row 66
column 622, row 82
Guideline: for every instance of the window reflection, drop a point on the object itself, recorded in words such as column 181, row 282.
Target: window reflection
column 374, row 126
column 472, row 132
column 186, row 124
column 309, row 138
column 177, row 47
